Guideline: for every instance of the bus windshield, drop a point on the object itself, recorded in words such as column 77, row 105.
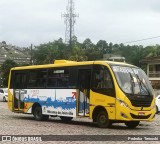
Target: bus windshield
column 132, row 80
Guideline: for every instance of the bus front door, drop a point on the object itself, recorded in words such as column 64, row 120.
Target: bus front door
column 84, row 76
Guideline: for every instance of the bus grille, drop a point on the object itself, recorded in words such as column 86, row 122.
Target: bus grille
column 140, row 117
column 141, row 101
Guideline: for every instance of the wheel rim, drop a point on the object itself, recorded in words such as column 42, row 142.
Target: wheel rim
column 102, row 119
column 37, row 113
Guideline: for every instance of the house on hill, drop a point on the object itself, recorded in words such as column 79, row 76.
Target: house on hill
column 153, row 72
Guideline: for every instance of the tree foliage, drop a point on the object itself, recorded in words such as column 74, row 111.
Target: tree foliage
column 46, row 53
column 78, row 54
column 87, row 50
column 5, row 70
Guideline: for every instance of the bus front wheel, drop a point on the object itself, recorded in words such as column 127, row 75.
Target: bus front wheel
column 37, row 113
column 132, row 124
column 102, row 120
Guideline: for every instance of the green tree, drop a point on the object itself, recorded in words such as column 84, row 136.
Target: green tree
column 78, row 54
column 87, row 44
column 133, row 54
column 110, row 48
column 5, row 70
column 45, row 53
column 93, row 54
column 63, row 51
column 152, row 51
column 102, row 45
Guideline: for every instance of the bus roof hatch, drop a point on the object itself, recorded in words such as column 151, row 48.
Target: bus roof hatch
column 62, row 61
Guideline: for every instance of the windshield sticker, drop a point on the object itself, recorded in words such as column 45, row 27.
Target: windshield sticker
column 135, row 71
column 122, row 69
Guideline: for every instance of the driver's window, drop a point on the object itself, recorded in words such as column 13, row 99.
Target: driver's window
column 102, row 80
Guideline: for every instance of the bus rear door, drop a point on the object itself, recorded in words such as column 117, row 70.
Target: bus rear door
column 84, row 78
column 18, row 92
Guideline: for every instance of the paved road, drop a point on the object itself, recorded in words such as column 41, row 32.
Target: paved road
column 23, row 124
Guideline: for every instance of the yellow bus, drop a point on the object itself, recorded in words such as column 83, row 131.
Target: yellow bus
column 105, row 91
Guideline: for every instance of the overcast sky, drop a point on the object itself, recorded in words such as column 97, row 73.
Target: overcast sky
column 23, row 22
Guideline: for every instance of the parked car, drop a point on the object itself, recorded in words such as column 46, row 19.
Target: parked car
column 158, row 104
column 4, row 94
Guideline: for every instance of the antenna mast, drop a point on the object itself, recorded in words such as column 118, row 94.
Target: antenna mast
column 69, row 20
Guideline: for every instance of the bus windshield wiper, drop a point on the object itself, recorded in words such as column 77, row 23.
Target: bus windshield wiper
column 142, row 84
column 132, row 82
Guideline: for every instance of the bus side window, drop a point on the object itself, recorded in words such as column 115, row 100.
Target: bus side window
column 58, row 78
column 37, row 78
column 32, row 79
column 12, row 81
column 102, row 81
column 52, row 82
column 73, row 77
column 20, row 81
column 41, row 78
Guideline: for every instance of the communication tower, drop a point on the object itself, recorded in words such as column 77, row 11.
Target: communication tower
column 69, row 20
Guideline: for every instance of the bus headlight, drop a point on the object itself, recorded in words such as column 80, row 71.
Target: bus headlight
column 154, row 106
column 123, row 103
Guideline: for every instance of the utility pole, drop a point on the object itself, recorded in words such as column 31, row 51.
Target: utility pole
column 69, row 20
column 31, row 61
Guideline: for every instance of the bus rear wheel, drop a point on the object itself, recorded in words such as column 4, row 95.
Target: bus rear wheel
column 102, row 120
column 132, row 124
column 37, row 113
column 66, row 119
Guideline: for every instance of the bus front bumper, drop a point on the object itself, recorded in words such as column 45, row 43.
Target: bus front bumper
column 127, row 114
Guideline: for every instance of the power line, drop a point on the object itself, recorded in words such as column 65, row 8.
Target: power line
column 142, row 39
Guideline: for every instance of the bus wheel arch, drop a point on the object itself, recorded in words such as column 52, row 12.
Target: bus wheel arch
column 37, row 112
column 100, row 116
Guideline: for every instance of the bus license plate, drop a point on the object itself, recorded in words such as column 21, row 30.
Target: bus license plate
column 141, row 113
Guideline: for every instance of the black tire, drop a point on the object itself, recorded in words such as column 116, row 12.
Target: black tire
column 157, row 110
column 66, row 119
column 37, row 113
column 132, row 124
column 102, row 120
